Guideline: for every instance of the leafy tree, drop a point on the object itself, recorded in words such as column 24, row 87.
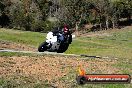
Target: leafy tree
column 44, row 7
column 73, row 11
column 33, row 14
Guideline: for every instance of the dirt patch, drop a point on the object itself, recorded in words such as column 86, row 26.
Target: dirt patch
column 103, row 32
column 52, row 68
column 96, row 34
column 16, row 46
column 93, row 34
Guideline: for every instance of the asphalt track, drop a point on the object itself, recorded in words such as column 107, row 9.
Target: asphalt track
column 50, row 53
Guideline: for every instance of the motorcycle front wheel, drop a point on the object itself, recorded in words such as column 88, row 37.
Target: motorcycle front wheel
column 43, row 47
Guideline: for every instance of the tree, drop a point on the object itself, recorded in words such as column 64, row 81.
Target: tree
column 73, row 12
column 4, row 18
column 44, row 7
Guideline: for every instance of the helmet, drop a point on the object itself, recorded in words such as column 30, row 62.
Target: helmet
column 65, row 29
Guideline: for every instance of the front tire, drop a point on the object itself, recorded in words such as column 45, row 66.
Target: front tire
column 42, row 47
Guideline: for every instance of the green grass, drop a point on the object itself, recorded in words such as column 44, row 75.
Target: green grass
column 119, row 45
column 124, row 65
column 19, row 81
column 24, row 37
column 27, row 82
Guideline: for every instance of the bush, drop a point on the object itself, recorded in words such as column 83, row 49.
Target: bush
column 48, row 26
column 42, row 26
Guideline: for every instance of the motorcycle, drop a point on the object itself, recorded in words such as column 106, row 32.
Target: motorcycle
column 56, row 42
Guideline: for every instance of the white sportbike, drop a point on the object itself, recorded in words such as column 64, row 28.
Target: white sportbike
column 58, row 43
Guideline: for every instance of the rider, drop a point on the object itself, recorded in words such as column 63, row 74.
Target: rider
column 57, row 31
column 60, row 32
column 67, row 32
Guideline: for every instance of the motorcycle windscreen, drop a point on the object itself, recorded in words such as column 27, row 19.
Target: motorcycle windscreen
column 51, row 38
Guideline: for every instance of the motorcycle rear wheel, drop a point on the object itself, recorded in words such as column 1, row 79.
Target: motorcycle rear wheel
column 63, row 47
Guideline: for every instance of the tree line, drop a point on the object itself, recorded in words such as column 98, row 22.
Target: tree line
column 43, row 15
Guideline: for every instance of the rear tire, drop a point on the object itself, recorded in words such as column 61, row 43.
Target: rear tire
column 70, row 39
column 42, row 47
column 63, row 47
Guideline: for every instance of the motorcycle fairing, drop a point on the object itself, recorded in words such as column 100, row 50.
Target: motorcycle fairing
column 52, row 40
